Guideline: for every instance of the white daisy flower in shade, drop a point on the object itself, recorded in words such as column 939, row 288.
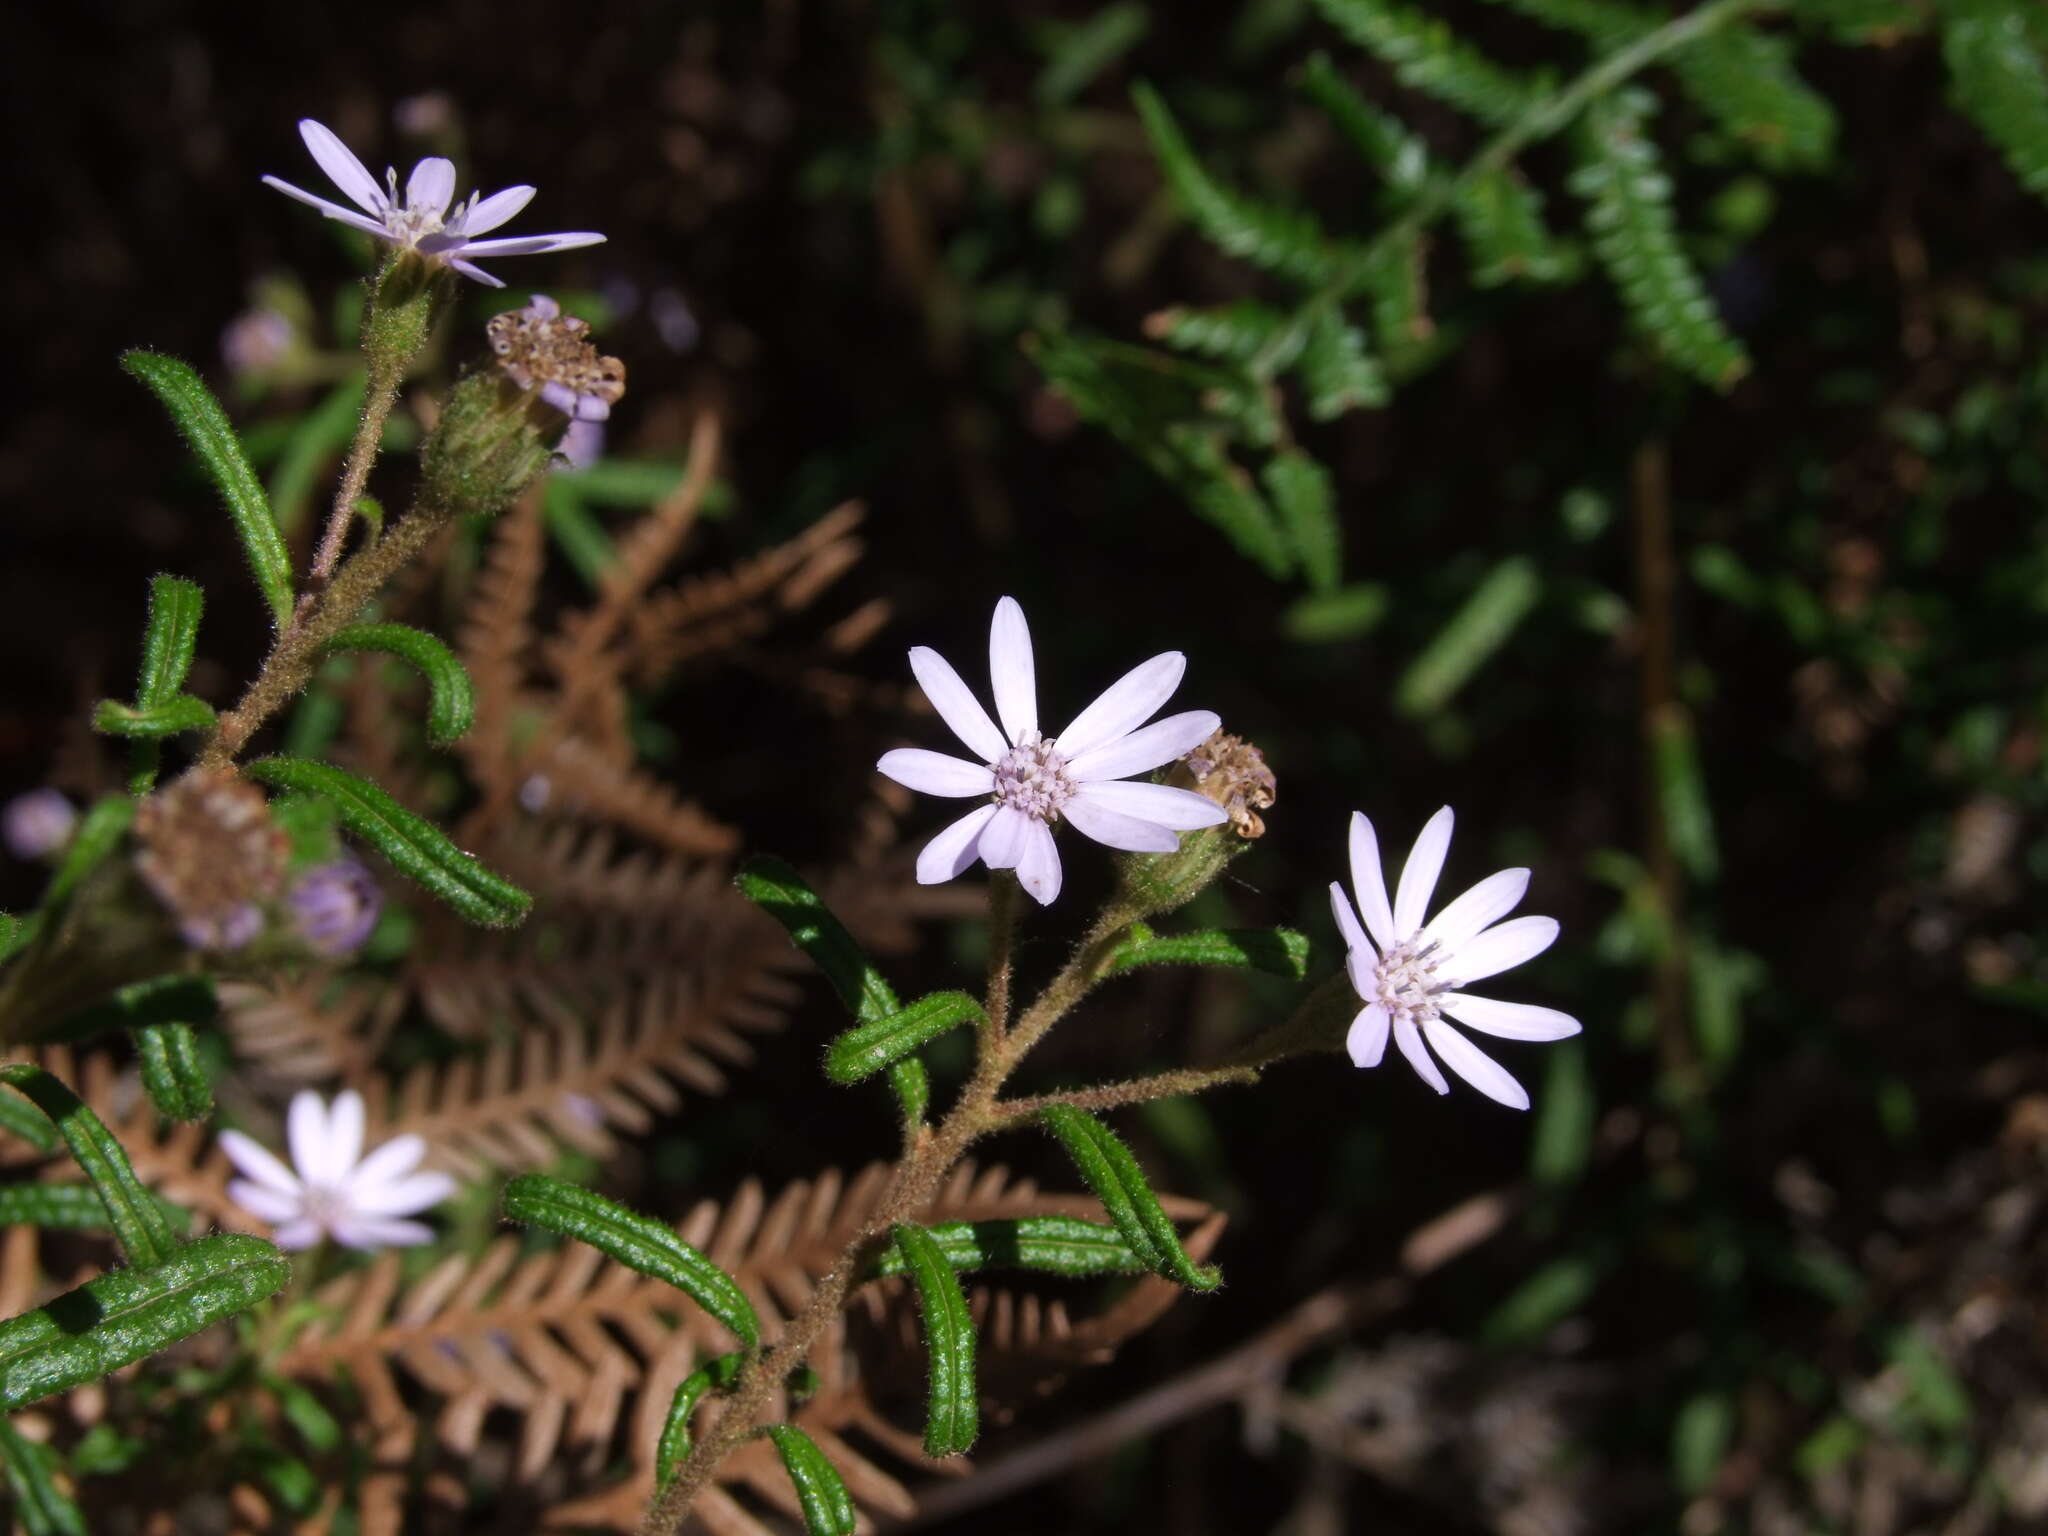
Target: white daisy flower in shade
column 427, row 218
column 1032, row 781
column 1412, row 974
column 331, row 1189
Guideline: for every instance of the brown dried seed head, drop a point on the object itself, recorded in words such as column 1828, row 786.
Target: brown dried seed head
column 212, row 855
column 539, row 345
column 1232, row 772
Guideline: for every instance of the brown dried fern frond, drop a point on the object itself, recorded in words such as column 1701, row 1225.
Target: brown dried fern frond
column 308, row 1029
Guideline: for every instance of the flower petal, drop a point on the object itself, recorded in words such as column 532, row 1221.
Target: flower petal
column 1501, row 948
column 1003, row 839
column 263, row 1202
column 946, row 855
column 1010, row 671
column 368, row 1232
column 1487, row 902
column 431, row 186
column 343, row 168
column 934, row 773
column 401, row 1197
column 1038, row 871
column 498, row 208
column 389, row 1161
column 526, row 245
column 1510, row 1021
column 1475, row 1066
column 1126, row 704
column 959, row 708
column 251, row 1157
column 1418, row 1058
column 1367, row 1037
column 332, row 210
column 1143, row 750
column 1114, row 829
column 475, row 273
column 1369, row 884
column 1418, row 875
column 305, row 1132
column 303, row 1233
column 1181, row 809
column 1347, row 920
column 1363, row 970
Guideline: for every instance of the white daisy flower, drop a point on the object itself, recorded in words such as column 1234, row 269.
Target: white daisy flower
column 427, row 219
column 332, row 1190
column 1032, row 781
column 1411, row 974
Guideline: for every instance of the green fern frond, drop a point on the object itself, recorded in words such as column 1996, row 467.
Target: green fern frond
column 1283, row 241
column 1425, row 53
column 1337, row 370
column 1744, row 79
column 1861, row 21
column 1602, row 23
column 1235, row 332
column 1397, row 281
column 1306, row 498
column 1501, row 218
column 1636, row 241
column 1399, row 156
column 1998, row 79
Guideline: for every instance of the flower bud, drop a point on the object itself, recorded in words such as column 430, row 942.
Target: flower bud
column 37, row 824
column 335, row 906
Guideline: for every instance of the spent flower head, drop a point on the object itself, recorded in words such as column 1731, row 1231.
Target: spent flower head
column 426, row 218
column 210, row 852
column 1411, row 974
column 1033, row 782
column 331, row 1189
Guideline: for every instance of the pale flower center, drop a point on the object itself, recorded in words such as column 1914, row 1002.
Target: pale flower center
column 1407, row 981
column 1031, row 777
column 409, row 225
column 323, row 1204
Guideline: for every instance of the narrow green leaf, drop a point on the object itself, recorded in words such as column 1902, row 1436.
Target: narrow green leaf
column 673, row 1448
column 639, row 1242
column 1549, row 1296
column 953, row 1410
column 15, row 933
column 160, row 1000
column 1682, row 793
column 1053, row 1245
column 451, row 701
column 33, row 1127
column 865, row 1050
column 780, row 891
column 1470, row 637
column 138, row 1221
column 1700, row 1437
column 1322, row 618
column 206, row 427
column 1084, row 50
column 1301, row 492
column 173, row 1072
column 912, row 1086
column 318, row 439
column 119, row 1318
column 1561, row 1145
column 168, row 639
column 828, row 1509
column 1120, row 1184
column 175, row 715
column 98, row 834
column 42, row 1508
column 68, row 1207
column 415, row 846
column 1281, row 951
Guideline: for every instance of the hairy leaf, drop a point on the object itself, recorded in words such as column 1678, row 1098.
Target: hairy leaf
column 138, row 1221
column 66, row 1207
column 33, row 1127
column 673, row 1449
column 827, row 1507
column 1053, row 1245
column 1120, row 1184
column 451, row 701
column 206, row 427
column 952, row 1412
column 41, row 1507
column 174, row 716
column 415, row 846
column 160, row 1000
column 119, row 1318
column 169, row 638
column 780, row 891
column 639, row 1242
column 865, row 1050
column 1470, row 637
column 173, row 1072
column 1281, row 951
column 98, row 834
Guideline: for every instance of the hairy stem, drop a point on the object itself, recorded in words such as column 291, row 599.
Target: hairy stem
column 380, row 394
column 1136, row 1090
column 1003, row 891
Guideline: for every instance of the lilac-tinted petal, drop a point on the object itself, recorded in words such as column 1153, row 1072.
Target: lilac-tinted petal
column 592, row 408
column 1038, row 871
column 1181, row 809
column 946, row 855
column 1143, row 750
column 1367, row 1038
column 1011, row 672
column 305, row 1132
column 959, row 708
column 1487, row 902
column 1116, row 830
column 368, row 1232
column 257, row 1161
column 934, row 773
column 332, row 210
column 263, row 1202
column 1004, row 838
column 1510, row 1021
column 1418, row 1057
column 1347, row 920
column 1360, row 966
column 560, row 396
column 1418, row 875
column 344, row 1134
column 475, row 273
column 496, row 209
column 1126, row 704
column 1475, row 1066
column 431, row 185
column 389, row 1161
column 303, row 1233
column 1500, row 948
column 401, row 1197
column 1369, row 883
column 343, row 168
column 528, row 245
